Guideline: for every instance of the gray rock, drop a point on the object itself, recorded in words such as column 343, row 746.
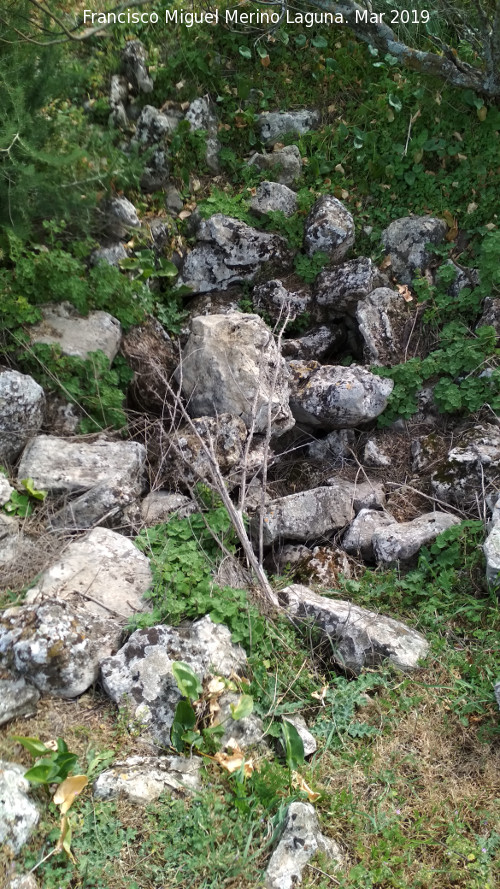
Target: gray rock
column 308, row 739
column 134, row 66
column 186, row 459
column 285, row 164
column 140, row 675
column 111, row 255
column 318, row 344
column 74, row 465
column 121, row 216
column 382, row 318
column 287, row 558
column 464, row 277
column 18, row 813
column 201, row 116
column 324, row 566
column 118, row 98
column 141, row 779
column 492, row 553
column 340, row 288
column 156, row 172
column 103, row 572
column 102, row 504
column 228, row 252
column 274, row 125
column 273, row 298
column 401, row 541
column 242, row 733
column 154, row 126
column 173, row 200
column 300, row 840
column 235, row 358
column 359, row 638
column 306, row 515
column 61, row 325
column 357, row 541
column 491, row 315
column 17, row 699
column 336, row 447
column 26, row 881
column 471, row 468
column 496, row 689
column 55, row 646
column 329, row 228
column 364, row 495
column 21, row 412
column 272, row 197
column 160, row 506
column 6, row 490
column 336, row 397
column 405, row 241
column 373, row 455
column 9, row 538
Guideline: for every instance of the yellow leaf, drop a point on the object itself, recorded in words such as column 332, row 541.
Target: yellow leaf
column 298, row 781
column 320, row 695
column 64, row 840
column 482, row 112
column 216, row 685
column 232, row 762
column 67, row 792
column 405, row 292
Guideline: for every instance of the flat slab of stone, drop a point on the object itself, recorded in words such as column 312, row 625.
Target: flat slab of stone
column 274, row 125
column 21, row 412
column 56, row 646
column 102, row 504
column 141, row 779
column 401, row 541
column 76, row 335
column 73, row 465
column 17, row 698
column 357, row 540
column 340, row 288
column 103, row 572
column 140, row 674
column 336, row 397
column 18, row 813
column 284, row 164
column 306, row 515
column 359, row 638
column 300, row 840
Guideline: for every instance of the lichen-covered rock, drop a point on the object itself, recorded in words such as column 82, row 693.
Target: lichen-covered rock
column 284, row 164
column 154, row 126
column 18, row 813
column 374, row 455
column 242, row 733
column 364, row 495
column 186, row 458
column 134, row 64
column 300, row 840
column 76, row 335
column 491, row 315
column 357, row 540
column 231, row 365
column 21, row 412
column 471, row 469
column 56, row 646
column 382, row 318
column 273, row 298
column 74, row 465
column 121, row 217
column 104, row 504
column 359, row 638
column 111, row 255
column 118, row 99
column 399, row 542
column 405, row 241
column 329, row 228
column 140, row 675
column 274, row 125
column 141, row 779
column 9, row 538
column 336, row 397
column 306, row 515
column 229, row 251
column 102, row 571
column 324, row 566
column 335, row 448
column 339, row 289
column 317, row 344
column 6, row 490
column 160, row 506
column 201, row 116
column 271, row 197
column 492, row 554
column 17, row 699
column 153, row 356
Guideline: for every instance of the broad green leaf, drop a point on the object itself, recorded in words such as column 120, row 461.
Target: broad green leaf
column 29, row 484
column 319, row 42
column 184, row 720
column 43, row 773
column 245, row 52
column 32, row 745
column 167, row 270
column 394, row 102
column 243, row 708
column 187, row 681
column 294, row 748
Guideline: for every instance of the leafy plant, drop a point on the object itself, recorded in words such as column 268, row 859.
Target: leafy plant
column 20, row 504
column 51, row 766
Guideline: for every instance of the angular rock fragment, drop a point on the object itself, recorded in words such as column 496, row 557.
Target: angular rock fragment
column 273, row 298
column 284, row 164
column 276, row 124
column 134, row 63
column 340, row 288
column 271, row 197
column 382, row 318
column 201, row 116
column 406, row 239
column 336, row 397
column 357, row 540
column 141, row 779
column 329, row 228
column 300, row 840
column 306, row 515
column 471, row 469
column 21, row 412
column 76, row 335
column 17, row 699
column 400, row 541
column 18, row 813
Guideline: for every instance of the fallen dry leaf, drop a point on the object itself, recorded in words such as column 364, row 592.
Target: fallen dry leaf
column 320, row 695
column 184, row 214
column 405, row 292
column 232, row 762
column 299, row 782
column 67, row 792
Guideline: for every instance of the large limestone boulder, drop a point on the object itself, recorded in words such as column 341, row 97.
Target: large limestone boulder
column 74, row 465
column 359, row 638
column 406, row 239
column 283, row 164
column 306, row 515
column 18, row 813
column 21, row 412
column 231, row 364
column 56, row 646
column 399, row 542
column 336, row 397
column 229, row 251
column 329, row 228
column 274, row 125
column 339, row 289
column 140, row 675
column 301, row 838
column 103, row 572
column 382, row 318
column 62, row 326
